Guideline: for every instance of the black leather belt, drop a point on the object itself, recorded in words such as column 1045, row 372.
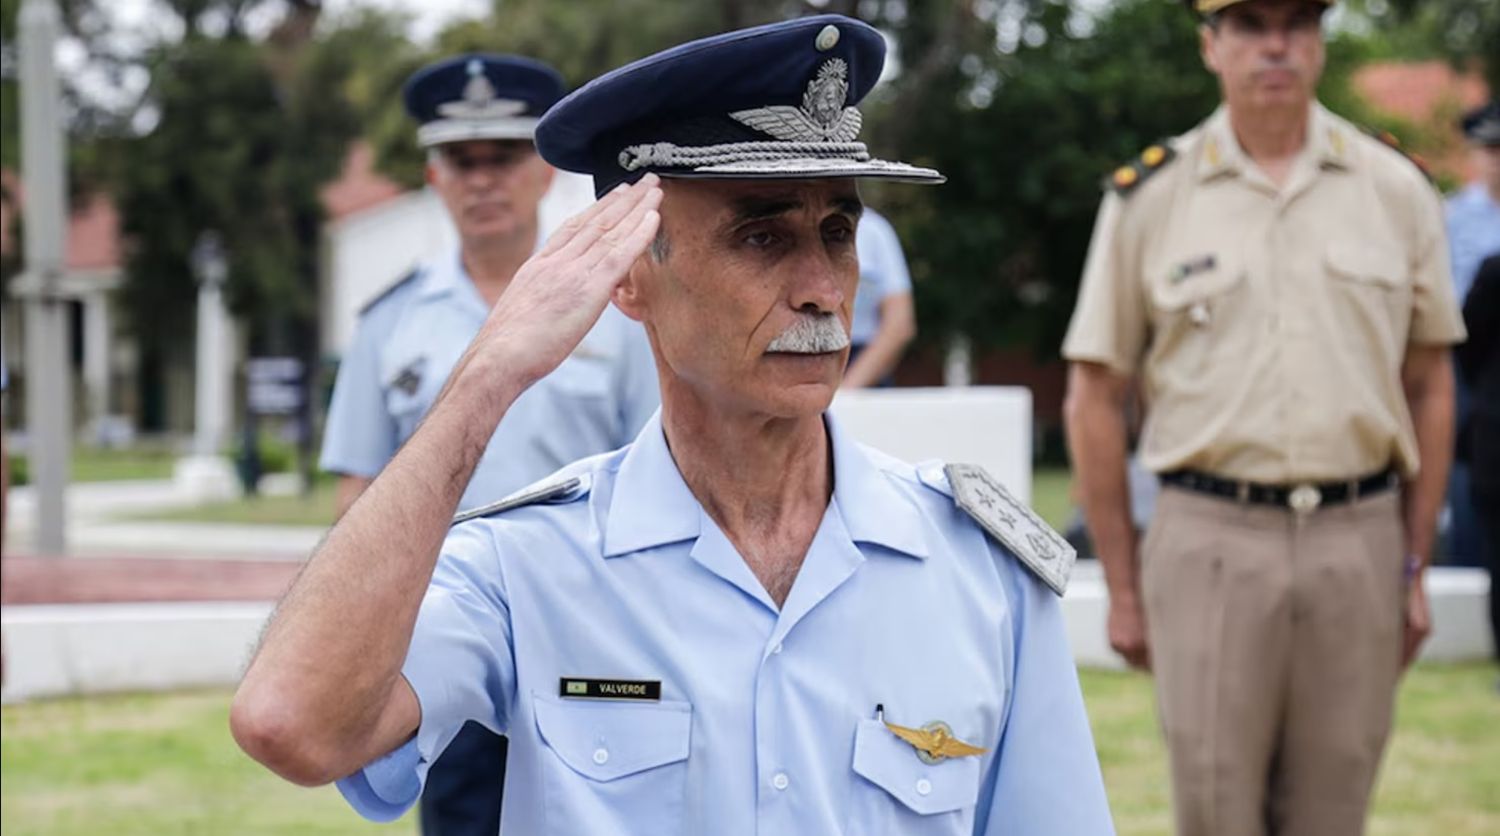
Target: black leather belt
column 1302, row 498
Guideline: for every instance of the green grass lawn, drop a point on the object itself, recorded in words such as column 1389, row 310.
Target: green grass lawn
column 166, row 765
column 92, row 465
column 1049, row 495
column 317, row 509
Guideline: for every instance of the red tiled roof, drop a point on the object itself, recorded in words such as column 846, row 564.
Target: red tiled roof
column 359, row 186
column 1431, row 95
column 94, row 228
column 94, row 235
column 1417, row 90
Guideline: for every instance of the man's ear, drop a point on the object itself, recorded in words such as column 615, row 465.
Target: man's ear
column 429, row 173
column 1206, row 36
column 629, row 295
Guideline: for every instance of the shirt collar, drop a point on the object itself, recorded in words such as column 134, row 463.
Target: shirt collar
column 1329, row 144
column 651, row 505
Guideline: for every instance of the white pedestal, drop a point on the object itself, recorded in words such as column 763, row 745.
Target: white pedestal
column 206, row 478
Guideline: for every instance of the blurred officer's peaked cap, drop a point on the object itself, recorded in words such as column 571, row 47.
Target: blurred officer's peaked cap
column 480, row 97
column 771, row 102
column 1482, row 125
column 1208, row 7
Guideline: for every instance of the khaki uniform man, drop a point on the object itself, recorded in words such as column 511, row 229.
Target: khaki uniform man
column 1276, row 284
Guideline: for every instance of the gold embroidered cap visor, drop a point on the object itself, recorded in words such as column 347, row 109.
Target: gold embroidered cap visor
column 772, row 102
column 1208, row 7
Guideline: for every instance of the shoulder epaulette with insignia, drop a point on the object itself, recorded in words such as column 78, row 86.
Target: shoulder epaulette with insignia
column 395, row 286
column 1129, row 176
column 1390, row 141
column 569, row 488
column 1012, row 524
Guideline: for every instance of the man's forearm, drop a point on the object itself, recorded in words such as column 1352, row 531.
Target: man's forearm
column 1097, row 441
column 877, row 360
column 335, row 647
column 1431, row 406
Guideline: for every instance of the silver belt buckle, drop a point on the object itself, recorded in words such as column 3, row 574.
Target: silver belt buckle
column 1304, row 499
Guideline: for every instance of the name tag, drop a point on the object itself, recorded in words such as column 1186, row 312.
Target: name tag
column 609, row 689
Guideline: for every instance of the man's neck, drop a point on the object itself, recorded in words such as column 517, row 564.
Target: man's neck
column 1271, row 137
column 765, row 481
column 492, row 262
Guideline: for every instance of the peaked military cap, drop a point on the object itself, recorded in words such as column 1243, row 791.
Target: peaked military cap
column 771, row 102
column 480, row 97
column 1482, row 125
column 1207, row 7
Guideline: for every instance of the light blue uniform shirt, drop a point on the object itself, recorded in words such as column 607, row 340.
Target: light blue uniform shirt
column 1473, row 233
column 766, row 721
column 882, row 273
column 405, row 347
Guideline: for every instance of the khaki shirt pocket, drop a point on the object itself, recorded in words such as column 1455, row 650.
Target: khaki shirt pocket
column 1371, row 295
column 1196, row 313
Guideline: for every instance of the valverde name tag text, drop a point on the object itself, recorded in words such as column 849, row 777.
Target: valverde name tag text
column 609, row 689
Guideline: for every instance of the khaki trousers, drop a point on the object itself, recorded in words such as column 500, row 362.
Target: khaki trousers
column 1276, row 645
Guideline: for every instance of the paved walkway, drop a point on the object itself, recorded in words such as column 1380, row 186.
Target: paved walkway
column 51, row 580
column 96, row 531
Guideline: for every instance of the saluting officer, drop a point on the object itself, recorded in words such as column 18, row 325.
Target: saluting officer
column 477, row 116
column 744, row 622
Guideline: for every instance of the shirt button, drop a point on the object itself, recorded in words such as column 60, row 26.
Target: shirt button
column 777, row 648
column 601, row 756
column 924, row 787
column 780, row 781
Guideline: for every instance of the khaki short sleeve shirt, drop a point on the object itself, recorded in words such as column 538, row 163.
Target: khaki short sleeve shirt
column 1268, row 325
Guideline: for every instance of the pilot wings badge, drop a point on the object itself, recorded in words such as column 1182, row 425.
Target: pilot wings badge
column 822, row 116
column 935, row 742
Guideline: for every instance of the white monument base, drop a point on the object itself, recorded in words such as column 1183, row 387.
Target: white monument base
column 206, row 478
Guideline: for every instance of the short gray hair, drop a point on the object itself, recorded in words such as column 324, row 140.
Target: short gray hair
column 661, row 247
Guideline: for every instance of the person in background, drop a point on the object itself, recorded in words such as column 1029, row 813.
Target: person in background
column 477, row 115
column 1479, row 367
column 1473, row 216
column 1276, row 281
column 885, row 320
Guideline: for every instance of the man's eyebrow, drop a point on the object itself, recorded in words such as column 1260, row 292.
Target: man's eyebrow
column 748, row 209
column 851, row 206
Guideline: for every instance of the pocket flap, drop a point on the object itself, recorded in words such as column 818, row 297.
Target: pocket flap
column 1365, row 263
column 892, row 764
column 1186, row 281
column 608, row 740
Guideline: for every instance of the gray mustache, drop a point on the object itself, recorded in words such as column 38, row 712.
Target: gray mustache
column 811, row 334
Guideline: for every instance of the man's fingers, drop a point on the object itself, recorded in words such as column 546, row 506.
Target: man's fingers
column 620, row 207
column 570, row 228
column 617, row 249
column 616, row 260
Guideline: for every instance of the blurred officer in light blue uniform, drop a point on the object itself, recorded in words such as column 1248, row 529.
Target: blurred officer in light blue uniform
column 477, row 115
column 885, row 319
column 744, row 622
column 1473, row 216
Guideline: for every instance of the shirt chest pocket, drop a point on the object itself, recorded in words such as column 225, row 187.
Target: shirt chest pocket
column 895, row 792
column 1371, row 294
column 614, row 765
column 406, row 383
column 1197, row 313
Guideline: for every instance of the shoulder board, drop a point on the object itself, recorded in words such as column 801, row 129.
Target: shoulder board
column 1012, row 524
column 1390, row 141
column 570, row 488
column 405, row 279
column 1128, row 177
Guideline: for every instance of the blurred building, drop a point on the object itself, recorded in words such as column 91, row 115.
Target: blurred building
column 375, row 232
